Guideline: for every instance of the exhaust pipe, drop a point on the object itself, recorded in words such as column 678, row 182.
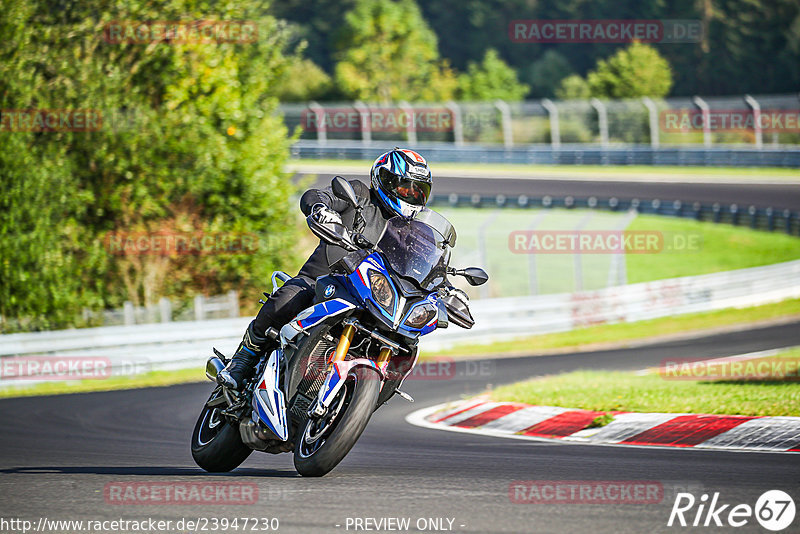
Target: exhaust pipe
column 213, row 366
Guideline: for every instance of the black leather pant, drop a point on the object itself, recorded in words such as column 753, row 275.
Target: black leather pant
column 293, row 297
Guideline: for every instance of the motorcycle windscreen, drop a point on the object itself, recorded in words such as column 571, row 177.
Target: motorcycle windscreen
column 438, row 222
column 415, row 250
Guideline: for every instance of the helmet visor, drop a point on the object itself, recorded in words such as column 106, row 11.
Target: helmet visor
column 415, row 192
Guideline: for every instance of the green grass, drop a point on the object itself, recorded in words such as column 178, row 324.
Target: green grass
column 627, row 332
column 766, row 172
column 608, row 391
column 146, row 380
column 510, row 272
column 719, row 247
column 722, row 247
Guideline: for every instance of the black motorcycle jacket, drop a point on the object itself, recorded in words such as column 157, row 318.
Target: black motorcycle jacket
column 375, row 217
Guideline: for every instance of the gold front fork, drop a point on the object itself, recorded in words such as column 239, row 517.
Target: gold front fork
column 346, row 339
column 383, row 357
column 344, row 343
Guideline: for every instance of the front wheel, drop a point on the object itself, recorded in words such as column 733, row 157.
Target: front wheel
column 216, row 444
column 324, row 442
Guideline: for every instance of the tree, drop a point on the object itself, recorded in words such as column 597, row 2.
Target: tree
column 386, row 52
column 546, row 73
column 490, row 80
column 303, row 81
column 737, row 35
column 200, row 150
column 635, row 71
column 573, row 88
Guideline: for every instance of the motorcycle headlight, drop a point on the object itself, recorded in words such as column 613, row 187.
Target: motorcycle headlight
column 421, row 315
column 381, row 291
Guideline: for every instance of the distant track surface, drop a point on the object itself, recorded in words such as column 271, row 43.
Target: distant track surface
column 777, row 196
column 58, row 453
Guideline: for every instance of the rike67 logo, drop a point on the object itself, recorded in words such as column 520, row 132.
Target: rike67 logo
column 774, row 510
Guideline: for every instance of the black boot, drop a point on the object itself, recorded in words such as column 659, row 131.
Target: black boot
column 243, row 363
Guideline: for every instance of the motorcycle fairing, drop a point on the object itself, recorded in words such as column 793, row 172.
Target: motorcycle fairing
column 317, row 313
column 269, row 401
column 359, row 281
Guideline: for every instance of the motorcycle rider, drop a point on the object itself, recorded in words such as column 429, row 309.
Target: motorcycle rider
column 400, row 184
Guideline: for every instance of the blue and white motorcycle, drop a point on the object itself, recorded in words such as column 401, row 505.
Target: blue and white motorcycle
column 345, row 356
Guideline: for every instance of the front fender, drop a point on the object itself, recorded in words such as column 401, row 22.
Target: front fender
column 335, row 379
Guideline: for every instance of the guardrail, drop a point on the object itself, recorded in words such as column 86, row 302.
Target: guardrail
column 140, row 348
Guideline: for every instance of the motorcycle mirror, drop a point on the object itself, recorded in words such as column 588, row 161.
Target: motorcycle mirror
column 344, row 190
column 475, row 275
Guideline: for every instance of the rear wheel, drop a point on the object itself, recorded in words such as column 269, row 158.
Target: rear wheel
column 216, row 444
column 324, row 442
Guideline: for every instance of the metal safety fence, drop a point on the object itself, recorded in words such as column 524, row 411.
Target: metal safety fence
column 747, row 130
column 760, row 121
column 140, row 348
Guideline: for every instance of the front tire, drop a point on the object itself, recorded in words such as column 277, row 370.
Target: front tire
column 321, row 445
column 216, row 444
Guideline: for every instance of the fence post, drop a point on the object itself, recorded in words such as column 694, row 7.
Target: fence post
column 199, row 313
column 700, row 103
column 458, row 126
column 533, row 280
column 411, row 128
column 617, row 272
column 484, row 258
column 322, row 129
column 165, row 307
column 366, row 123
column 552, row 111
column 128, row 312
column 577, row 255
column 505, row 113
column 756, row 107
column 233, row 303
column 653, row 120
column 602, row 120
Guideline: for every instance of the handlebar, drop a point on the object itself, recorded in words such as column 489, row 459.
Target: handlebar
column 338, row 235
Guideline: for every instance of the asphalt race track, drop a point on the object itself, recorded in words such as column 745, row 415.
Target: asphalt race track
column 58, row 453
column 761, row 195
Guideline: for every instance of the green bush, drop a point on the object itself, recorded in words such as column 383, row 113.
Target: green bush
column 202, row 151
